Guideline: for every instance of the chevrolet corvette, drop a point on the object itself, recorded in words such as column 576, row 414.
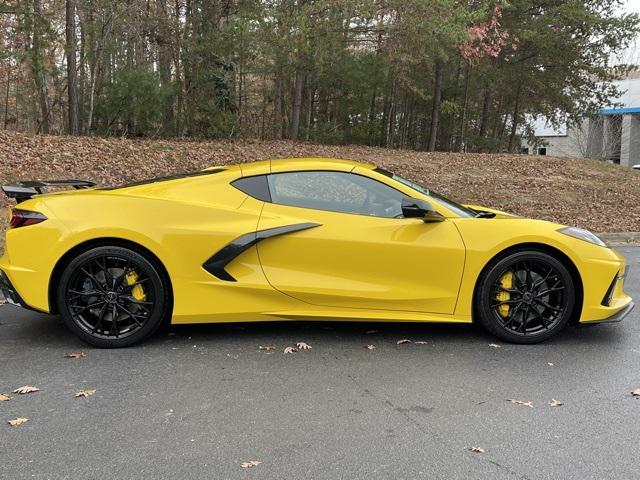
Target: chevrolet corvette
column 296, row 239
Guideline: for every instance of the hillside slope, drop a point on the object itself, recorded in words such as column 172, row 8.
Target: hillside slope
column 587, row 193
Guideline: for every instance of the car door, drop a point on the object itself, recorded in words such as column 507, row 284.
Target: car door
column 347, row 245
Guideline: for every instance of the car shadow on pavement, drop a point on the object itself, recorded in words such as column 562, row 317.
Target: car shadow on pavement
column 33, row 328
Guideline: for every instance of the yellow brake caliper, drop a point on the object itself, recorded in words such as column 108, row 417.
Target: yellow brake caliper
column 507, row 282
column 137, row 291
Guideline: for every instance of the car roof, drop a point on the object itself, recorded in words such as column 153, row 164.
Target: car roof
column 300, row 163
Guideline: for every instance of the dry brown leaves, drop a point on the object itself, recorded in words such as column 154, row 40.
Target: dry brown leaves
column 290, row 350
column 4, row 398
column 636, row 392
column 303, row 346
column 494, row 345
column 521, row 402
column 75, row 355
column 555, row 403
column 267, row 348
column 370, row 347
column 26, row 389
column 84, row 393
column 586, row 193
column 17, row 421
column 250, row 464
column 403, row 341
column 476, row 449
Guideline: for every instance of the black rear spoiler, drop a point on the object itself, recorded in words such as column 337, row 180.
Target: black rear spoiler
column 24, row 190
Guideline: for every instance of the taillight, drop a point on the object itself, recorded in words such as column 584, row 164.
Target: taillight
column 22, row 218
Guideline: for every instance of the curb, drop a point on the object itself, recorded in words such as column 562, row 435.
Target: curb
column 621, row 238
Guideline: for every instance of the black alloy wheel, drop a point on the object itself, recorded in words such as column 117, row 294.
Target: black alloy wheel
column 525, row 297
column 112, row 297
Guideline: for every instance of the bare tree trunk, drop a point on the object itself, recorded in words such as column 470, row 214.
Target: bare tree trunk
column 484, row 117
column 297, row 104
column 37, row 69
column 279, row 101
column 310, row 108
column 72, row 70
column 178, row 64
column 465, row 102
column 6, row 98
column 514, row 123
column 435, row 110
column 164, row 67
column 130, row 53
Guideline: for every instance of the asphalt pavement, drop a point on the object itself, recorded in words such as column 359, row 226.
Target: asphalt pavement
column 197, row 401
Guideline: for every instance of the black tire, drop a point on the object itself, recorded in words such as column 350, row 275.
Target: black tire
column 536, row 306
column 113, row 297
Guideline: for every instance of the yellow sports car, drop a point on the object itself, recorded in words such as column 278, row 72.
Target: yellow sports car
column 296, row 239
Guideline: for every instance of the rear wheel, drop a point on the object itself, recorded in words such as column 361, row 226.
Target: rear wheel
column 525, row 297
column 112, row 297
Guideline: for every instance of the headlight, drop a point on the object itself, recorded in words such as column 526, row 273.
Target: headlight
column 582, row 234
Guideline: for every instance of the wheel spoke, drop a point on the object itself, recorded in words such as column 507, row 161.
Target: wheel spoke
column 137, row 282
column 130, row 299
column 505, row 302
column 114, row 320
column 525, row 316
column 527, row 278
column 132, row 315
column 97, row 283
column 546, row 305
column 516, row 278
column 86, row 307
column 88, row 293
column 545, row 292
column 543, row 281
column 542, row 318
column 512, row 315
column 103, row 310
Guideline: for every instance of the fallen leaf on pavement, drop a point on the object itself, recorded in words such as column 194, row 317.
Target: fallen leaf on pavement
column 250, row 464
column 370, row 347
column 17, row 421
column 26, row 389
column 476, row 449
column 303, row 346
column 555, row 403
column 268, row 348
column 290, row 350
column 84, row 393
column 494, row 345
column 421, row 342
column 4, row 398
column 521, row 402
column 404, row 340
column 636, row 392
column 75, row 355
column 550, row 364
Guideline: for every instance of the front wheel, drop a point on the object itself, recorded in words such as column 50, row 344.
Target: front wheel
column 112, row 297
column 525, row 297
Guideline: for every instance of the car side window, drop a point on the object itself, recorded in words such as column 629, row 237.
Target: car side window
column 336, row 192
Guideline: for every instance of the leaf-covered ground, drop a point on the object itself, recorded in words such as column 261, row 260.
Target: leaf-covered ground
column 587, row 193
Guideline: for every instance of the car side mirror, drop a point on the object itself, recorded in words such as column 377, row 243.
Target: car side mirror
column 417, row 208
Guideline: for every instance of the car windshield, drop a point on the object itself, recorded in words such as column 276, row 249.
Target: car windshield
column 455, row 207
